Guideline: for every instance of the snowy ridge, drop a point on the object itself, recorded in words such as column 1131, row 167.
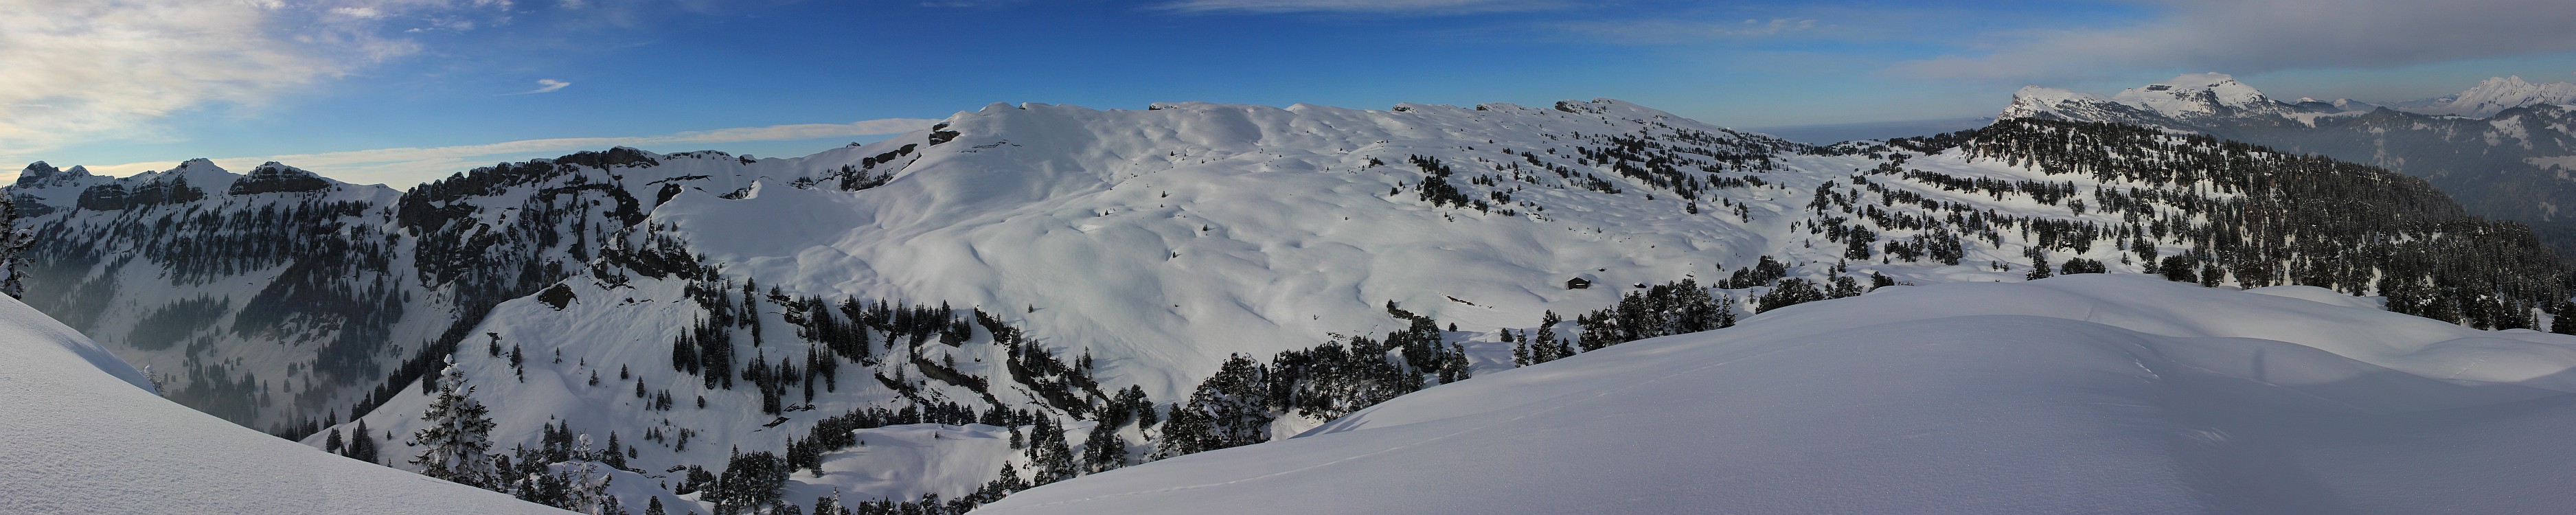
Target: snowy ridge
column 2073, row 394
column 2197, row 95
column 2516, row 130
column 2178, row 103
column 2497, row 94
column 87, row 435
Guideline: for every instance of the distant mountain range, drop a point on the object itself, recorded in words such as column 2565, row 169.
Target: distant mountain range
column 2503, row 149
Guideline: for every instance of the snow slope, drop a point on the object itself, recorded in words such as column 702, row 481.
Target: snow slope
column 86, row 435
column 2086, row 393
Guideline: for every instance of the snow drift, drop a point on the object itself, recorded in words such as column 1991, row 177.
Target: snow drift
column 87, row 435
column 2087, row 393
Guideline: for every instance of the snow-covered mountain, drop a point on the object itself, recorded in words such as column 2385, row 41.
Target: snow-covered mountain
column 2093, row 393
column 919, row 315
column 2201, row 95
column 87, row 435
column 2497, row 94
column 2181, row 102
column 2502, row 148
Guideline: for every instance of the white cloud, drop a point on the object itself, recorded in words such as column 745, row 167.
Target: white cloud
column 79, row 69
column 405, row 166
column 86, row 70
column 545, row 86
column 2252, row 36
column 1360, row 6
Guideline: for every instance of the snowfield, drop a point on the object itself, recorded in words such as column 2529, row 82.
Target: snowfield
column 2085, row 393
column 86, row 435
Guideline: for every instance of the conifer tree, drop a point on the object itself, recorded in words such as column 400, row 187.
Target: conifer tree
column 362, row 444
column 13, row 250
column 1520, row 350
column 1184, row 432
column 2565, row 322
column 1545, row 347
column 456, row 444
column 1103, row 450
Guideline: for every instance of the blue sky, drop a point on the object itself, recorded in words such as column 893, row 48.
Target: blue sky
column 400, row 91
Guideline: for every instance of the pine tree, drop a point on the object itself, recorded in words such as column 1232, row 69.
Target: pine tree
column 1520, row 350
column 13, row 250
column 587, row 487
column 332, row 443
column 1103, row 450
column 1546, row 347
column 2565, row 322
column 654, row 507
column 456, row 444
column 362, row 444
column 1184, row 432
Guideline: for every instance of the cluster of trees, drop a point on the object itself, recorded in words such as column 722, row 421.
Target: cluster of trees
column 1435, row 187
column 1659, row 310
column 360, row 445
column 1545, row 347
column 1237, row 405
column 2253, row 216
column 564, row 471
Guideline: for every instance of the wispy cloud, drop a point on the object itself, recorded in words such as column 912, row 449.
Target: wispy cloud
column 1361, row 6
column 406, row 166
column 1681, row 31
column 545, row 86
column 76, row 71
column 2252, row 36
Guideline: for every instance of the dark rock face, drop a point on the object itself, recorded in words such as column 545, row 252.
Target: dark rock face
column 277, row 178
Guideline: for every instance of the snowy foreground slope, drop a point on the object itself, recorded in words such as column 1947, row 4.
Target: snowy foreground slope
column 85, row 435
column 2087, row 393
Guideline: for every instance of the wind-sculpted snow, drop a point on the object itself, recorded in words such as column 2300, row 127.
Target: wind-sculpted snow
column 2079, row 394
column 85, row 434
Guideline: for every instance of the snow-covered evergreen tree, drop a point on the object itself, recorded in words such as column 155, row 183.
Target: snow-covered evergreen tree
column 13, row 249
column 456, row 444
column 589, row 484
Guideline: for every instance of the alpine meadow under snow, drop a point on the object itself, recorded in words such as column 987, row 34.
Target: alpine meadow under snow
column 1040, row 296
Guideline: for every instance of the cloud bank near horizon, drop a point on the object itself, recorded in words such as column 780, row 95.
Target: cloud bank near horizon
column 2256, row 36
column 402, row 167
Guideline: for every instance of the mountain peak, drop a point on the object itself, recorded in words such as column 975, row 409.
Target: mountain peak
column 40, row 174
column 2500, row 93
column 2065, row 104
column 2199, row 95
column 273, row 177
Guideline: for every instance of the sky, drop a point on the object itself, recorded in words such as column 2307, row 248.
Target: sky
column 404, row 91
